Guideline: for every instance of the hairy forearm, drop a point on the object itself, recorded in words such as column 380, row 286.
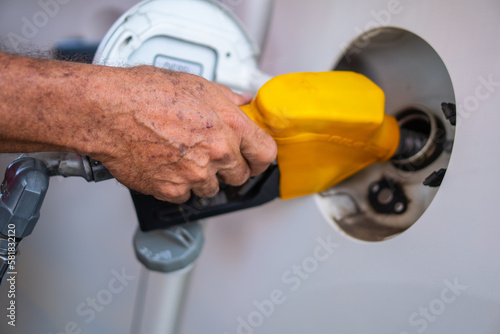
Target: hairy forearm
column 46, row 105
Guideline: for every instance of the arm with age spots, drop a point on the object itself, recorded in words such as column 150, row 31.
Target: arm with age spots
column 159, row 132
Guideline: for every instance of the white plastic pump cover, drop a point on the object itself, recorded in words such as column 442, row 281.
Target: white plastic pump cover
column 193, row 36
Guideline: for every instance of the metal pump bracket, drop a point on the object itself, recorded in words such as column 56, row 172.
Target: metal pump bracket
column 23, row 190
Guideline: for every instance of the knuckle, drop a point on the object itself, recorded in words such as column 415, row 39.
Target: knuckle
column 237, row 176
column 231, row 164
column 221, row 152
column 271, row 153
column 238, row 121
column 242, row 122
column 268, row 151
column 199, row 175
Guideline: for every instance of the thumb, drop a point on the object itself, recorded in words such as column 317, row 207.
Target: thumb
column 238, row 99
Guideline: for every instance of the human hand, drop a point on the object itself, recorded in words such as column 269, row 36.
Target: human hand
column 166, row 133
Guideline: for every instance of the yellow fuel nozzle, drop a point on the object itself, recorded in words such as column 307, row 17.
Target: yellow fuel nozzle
column 327, row 125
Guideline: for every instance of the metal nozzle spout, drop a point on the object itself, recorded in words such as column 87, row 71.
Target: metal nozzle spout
column 410, row 143
column 421, row 142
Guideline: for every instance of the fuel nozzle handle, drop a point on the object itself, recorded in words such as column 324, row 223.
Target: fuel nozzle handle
column 22, row 193
column 23, row 190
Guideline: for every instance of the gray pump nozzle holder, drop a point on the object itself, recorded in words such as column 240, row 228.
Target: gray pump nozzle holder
column 24, row 188
column 22, row 193
column 170, row 249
